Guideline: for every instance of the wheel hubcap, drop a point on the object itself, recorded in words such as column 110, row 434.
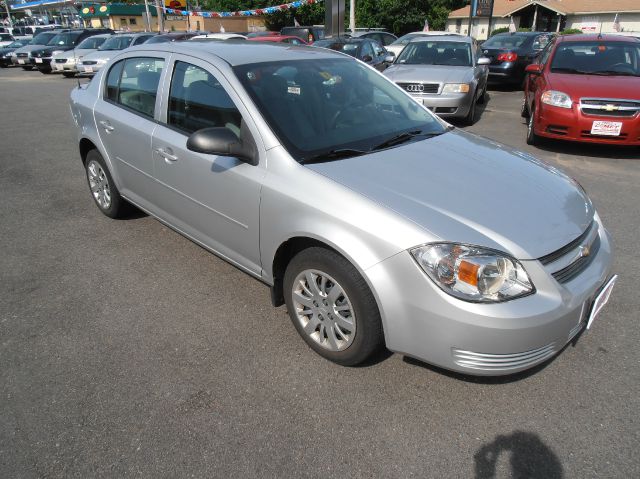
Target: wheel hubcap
column 324, row 310
column 99, row 185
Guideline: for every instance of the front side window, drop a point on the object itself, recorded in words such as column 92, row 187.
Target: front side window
column 133, row 83
column 316, row 107
column 197, row 100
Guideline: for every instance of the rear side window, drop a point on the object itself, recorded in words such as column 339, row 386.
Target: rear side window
column 133, row 83
column 197, row 100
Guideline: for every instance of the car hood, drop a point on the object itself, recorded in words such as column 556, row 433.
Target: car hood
column 429, row 73
column 463, row 188
column 595, row 86
column 105, row 55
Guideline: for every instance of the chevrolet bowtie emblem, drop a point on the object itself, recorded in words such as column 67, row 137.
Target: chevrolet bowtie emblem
column 610, row 107
column 584, row 251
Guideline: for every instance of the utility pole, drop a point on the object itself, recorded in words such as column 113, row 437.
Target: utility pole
column 6, row 6
column 160, row 12
column 147, row 27
column 352, row 15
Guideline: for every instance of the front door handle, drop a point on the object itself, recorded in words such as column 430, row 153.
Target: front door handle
column 167, row 155
column 107, row 126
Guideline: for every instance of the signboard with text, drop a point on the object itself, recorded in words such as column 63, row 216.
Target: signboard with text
column 481, row 8
column 176, row 4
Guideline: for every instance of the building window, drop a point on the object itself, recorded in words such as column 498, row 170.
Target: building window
column 123, row 22
column 132, row 21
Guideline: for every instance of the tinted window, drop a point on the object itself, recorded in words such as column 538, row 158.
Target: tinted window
column 91, row 43
column 403, row 40
column 436, row 53
column 138, row 84
column 366, row 51
column 43, row 38
column 377, row 49
column 197, row 100
column 387, row 39
column 315, row 106
column 116, row 43
column 505, row 41
column 612, row 58
column 113, row 81
column 142, row 39
column 64, row 39
column 541, row 41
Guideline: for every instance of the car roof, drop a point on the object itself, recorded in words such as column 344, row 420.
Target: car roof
column 443, row 38
column 607, row 37
column 242, row 53
column 525, row 34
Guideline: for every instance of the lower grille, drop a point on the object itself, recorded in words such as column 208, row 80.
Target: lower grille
column 61, row 60
column 502, row 362
column 557, row 130
column 620, row 137
column 90, row 62
column 22, row 55
column 420, row 87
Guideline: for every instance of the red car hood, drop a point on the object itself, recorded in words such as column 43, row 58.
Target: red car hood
column 595, row 86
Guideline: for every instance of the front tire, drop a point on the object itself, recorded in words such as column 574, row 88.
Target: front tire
column 471, row 116
column 332, row 307
column 532, row 138
column 103, row 189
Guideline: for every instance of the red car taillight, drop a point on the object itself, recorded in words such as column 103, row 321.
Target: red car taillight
column 507, row 57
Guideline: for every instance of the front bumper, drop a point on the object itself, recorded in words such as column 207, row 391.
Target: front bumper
column 41, row 63
column 422, row 321
column 572, row 124
column 63, row 67
column 89, row 70
column 451, row 105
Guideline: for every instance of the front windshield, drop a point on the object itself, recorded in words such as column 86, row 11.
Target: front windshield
column 436, row 53
column 404, row 39
column 116, row 43
column 91, row 43
column 42, row 38
column 5, row 37
column 17, row 44
column 323, row 106
column 63, row 39
column 597, row 58
column 160, row 39
column 505, row 41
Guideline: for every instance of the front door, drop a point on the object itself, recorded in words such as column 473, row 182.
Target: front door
column 213, row 199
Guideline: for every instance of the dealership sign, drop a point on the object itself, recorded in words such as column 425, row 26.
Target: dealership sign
column 481, row 8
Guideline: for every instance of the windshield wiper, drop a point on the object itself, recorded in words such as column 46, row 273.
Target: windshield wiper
column 333, row 155
column 614, row 73
column 569, row 70
column 404, row 137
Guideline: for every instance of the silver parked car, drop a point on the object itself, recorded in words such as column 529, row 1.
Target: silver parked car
column 93, row 62
column 372, row 219
column 448, row 74
column 67, row 62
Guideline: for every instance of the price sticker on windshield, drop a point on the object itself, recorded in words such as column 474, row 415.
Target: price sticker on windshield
column 606, row 128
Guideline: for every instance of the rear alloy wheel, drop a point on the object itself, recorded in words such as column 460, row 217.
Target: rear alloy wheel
column 332, row 307
column 103, row 189
column 532, row 138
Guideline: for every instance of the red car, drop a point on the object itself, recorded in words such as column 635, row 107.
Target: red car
column 279, row 39
column 585, row 88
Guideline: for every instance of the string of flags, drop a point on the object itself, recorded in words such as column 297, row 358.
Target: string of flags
column 242, row 13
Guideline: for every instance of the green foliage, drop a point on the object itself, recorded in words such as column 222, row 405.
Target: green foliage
column 396, row 16
column 524, row 29
column 570, row 31
column 499, row 30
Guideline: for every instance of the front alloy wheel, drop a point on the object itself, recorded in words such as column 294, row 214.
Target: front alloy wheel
column 103, row 190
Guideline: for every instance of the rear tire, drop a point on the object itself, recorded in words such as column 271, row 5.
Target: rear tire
column 332, row 307
column 68, row 74
column 28, row 69
column 103, row 189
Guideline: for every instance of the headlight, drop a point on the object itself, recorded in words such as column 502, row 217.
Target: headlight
column 456, row 88
column 472, row 273
column 101, row 62
column 556, row 98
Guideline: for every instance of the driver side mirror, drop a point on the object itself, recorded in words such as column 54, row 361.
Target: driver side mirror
column 534, row 68
column 390, row 57
column 223, row 142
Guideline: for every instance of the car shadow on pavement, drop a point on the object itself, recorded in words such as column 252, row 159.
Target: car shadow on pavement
column 528, row 457
column 590, row 150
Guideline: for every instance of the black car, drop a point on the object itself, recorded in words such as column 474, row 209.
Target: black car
column 5, row 58
column 309, row 34
column 510, row 53
column 383, row 38
column 365, row 49
column 41, row 58
column 171, row 37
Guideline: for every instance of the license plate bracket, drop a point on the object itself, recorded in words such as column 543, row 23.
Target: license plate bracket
column 601, row 299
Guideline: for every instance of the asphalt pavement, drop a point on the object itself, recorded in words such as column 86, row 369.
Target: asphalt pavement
column 128, row 351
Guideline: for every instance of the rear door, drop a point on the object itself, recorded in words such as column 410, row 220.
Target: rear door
column 125, row 118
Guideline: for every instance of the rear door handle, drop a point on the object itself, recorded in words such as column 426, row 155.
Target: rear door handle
column 107, row 126
column 167, row 155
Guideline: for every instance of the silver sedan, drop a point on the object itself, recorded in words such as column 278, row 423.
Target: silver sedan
column 374, row 221
column 446, row 73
